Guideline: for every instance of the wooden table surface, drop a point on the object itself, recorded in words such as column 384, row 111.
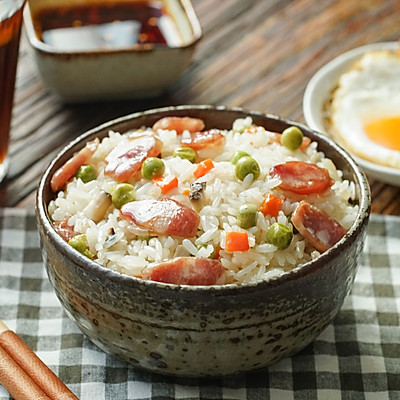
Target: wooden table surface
column 256, row 54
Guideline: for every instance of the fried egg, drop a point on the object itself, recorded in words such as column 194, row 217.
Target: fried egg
column 365, row 108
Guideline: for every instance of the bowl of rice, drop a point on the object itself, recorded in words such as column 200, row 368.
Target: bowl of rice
column 200, row 240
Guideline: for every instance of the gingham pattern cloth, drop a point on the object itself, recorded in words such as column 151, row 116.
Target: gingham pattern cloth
column 356, row 357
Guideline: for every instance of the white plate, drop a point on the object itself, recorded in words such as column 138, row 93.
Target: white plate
column 319, row 90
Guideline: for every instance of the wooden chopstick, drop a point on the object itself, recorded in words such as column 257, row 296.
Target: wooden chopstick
column 16, row 381
column 22, row 372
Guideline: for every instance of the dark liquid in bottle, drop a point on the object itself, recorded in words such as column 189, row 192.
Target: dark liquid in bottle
column 10, row 29
column 105, row 26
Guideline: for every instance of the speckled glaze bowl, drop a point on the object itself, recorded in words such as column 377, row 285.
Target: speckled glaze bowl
column 197, row 330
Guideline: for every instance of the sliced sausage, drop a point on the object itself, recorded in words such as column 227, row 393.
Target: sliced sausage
column 302, row 178
column 205, row 139
column 316, row 226
column 179, row 124
column 185, row 271
column 126, row 159
column 65, row 230
column 162, row 217
column 70, row 168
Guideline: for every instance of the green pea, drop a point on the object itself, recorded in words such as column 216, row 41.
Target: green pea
column 238, row 154
column 123, row 193
column 292, row 138
column 279, row 235
column 88, row 254
column 247, row 165
column 213, row 253
column 247, row 215
column 79, row 242
column 152, row 167
column 186, row 153
column 86, row 173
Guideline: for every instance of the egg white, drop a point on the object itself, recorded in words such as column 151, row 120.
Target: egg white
column 367, row 92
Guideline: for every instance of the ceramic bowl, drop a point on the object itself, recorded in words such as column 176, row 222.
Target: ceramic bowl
column 319, row 91
column 128, row 71
column 202, row 330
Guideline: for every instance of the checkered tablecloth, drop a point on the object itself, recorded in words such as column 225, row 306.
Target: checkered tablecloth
column 356, row 357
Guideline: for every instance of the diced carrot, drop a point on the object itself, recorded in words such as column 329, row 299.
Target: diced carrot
column 203, row 168
column 305, row 143
column 252, row 129
column 217, row 254
column 237, row 241
column 166, row 183
column 186, row 192
column 271, row 205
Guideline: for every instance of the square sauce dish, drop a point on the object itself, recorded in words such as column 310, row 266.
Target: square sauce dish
column 89, row 50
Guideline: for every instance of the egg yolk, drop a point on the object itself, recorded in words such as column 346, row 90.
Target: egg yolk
column 385, row 132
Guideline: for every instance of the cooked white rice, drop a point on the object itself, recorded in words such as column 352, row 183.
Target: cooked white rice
column 224, row 194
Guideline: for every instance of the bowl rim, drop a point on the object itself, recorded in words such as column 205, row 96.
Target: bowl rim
column 334, row 68
column 138, row 48
column 309, row 267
